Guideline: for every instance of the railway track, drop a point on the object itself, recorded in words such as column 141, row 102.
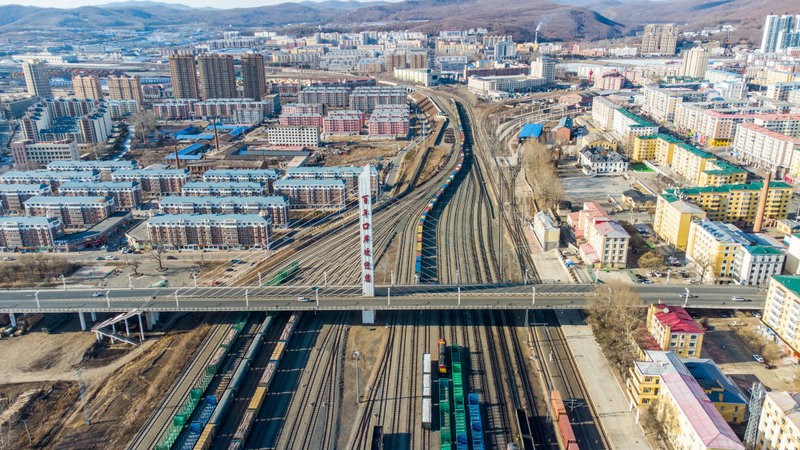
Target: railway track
column 149, row 434
column 563, row 375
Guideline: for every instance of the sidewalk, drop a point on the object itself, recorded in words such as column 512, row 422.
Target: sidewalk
column 606, row 395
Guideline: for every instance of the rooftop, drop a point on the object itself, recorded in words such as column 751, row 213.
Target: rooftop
column 789, row 403
column 676, row 318
column 724, row 232
column 725, row 188
column 195, row 218
column 269, row 173
column 223, row 185
column 92, row 164
column 23, row 187
column 45, row 174
column 790, row 282
column 533, row 130
column 207, row 200
column 63, row 200
column 23, row 220
column 337, row 170
column 317, row 183
column 709, row 376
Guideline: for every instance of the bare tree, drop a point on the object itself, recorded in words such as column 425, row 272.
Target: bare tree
column 145, row 122
column 705, row 264
column 614, row 316
column 157, row 253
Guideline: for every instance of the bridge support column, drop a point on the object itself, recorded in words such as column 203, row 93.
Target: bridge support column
column 141, row 329
column 152, row 319
column 83, row 321
column 94, row 316
column 368, row 316
column 127, row 329
column 13, row 319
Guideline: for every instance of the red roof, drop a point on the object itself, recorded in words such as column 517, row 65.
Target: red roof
column 645, row 340
column 676, row 318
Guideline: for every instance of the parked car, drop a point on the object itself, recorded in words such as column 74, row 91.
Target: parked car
column 758, row 358
column 756, row 314
column 8, row 258
column 645, row 281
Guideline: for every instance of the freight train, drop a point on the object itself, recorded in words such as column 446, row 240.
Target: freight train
column 442, row 356
column 565, row 432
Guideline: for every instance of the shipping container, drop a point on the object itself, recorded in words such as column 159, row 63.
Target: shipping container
column 442, row 356
column 229, row 338
column 557, row 405
column 206, row 438
column 419, row 246
column 269, row 372
column 426, row 413
column 565, row 429
column 257, row 399
column 418, row 267
column 216, row 360
column 278, row 353
column 426, row 363
column 426, row 385
column 246, row 424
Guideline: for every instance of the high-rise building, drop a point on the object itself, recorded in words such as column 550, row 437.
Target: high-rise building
column 87, row 87
column 254, row 80
column 183, row 71
column 695, row 63
column 659, row 39
column 778, row 32
column 124, row 88
column 217, row 77
column 36, row 78
column 544, row 67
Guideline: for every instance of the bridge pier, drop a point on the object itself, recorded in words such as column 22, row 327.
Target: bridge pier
column 94, row 316
column 13, row 319
column 368, row 316
column 152, row 319
column 83, row 321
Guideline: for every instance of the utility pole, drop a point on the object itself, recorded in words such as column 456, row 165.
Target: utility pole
column 82, row 389
column 356, row 355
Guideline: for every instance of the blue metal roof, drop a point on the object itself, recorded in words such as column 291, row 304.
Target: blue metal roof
column 22, row 187
column 533, row 130
column 195, row 137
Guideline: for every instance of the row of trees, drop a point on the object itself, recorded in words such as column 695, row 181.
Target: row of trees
column 34, row 269
column 541, row 170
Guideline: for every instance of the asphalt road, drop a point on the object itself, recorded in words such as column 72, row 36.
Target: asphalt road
column 349, row 298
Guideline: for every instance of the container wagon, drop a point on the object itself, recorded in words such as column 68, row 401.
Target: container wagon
column 377, row 438
column 426, row 363
column 442, row 356
column 426, row 413
column 475, row 421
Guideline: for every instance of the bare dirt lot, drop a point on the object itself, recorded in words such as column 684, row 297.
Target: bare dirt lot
column 122, row 384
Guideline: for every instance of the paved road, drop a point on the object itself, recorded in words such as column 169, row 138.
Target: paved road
column 569, row 296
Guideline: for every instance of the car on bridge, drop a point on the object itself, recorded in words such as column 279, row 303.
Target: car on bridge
column 737, row 298
column 303, row 299
column 690, row 295
column 98, row 294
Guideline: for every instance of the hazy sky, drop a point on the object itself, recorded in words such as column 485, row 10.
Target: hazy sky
column 196, row 3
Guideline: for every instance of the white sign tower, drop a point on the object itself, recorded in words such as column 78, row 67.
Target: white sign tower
column 365, row 203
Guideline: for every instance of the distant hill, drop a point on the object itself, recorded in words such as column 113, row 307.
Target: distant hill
column 559, row 19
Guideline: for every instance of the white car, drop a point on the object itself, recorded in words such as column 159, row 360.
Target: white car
column 303, row 299
column 758, row 358
column 737, row 298
column 98, row 294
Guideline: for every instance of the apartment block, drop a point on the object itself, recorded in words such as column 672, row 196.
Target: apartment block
column 127, row 195
column 703, row 168
column 175, row 108
column 294, row 136
column 264, row 176
column 779, row 424
column 754, row 265
column 737, row 203
column 74, row 212
column 302, row 108
column 30, row 153
column 154, row 183
column 254, row 80
column 659, row 39
column 276, row 208
column 335, row 96
column 300, row 120
column 231, row 110
column 83, row 121
column 602, row 242
column 349, row 174
column 659, row 102
column 210, row 231
column 104, row 167
column 52, row 179
column 29, row 232
column 655, row 147
column 37, row 78
column 603, row 112
column 768, row 149
column 713, row 247
column 125, row 88
column 627, row 125
column 726, row 396
column 222, row 189
column 782, row 312
column 183, row 72
column 368, row 98
column 675, row 330
column 343, row 122
column 317, row 194
column 13, row 196
column 673, row 219
column 87, row 87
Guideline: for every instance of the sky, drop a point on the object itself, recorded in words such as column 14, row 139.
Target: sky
column 194, row 3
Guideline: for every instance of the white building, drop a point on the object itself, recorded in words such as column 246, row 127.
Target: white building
column 504, row 83
column 695, row 63
column 767, row 149
column 43, row 153
column 609, row 241
column 544, row 67
column 299, row 136
column 779, row 424
column 601, row 161
column 546, row 230
column 755, row 264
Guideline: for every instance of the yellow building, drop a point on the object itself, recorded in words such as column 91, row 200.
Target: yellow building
column 673, row 218
column 779, row 424
column 695, row 165
column 675, row 330
column 713, row 248
column 691, row 420
column 723, row 393
column 719, row 173
column 738, row 203
column 654, row 147
column 782, row 311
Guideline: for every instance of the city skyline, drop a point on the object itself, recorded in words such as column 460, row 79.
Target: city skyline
column 208, row 4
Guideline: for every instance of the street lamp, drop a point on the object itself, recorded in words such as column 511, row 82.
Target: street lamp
column 356, row 355
column 686, row 298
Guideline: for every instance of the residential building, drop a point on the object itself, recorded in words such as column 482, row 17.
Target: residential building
column 52, row 179
column 264, row 176
column 777, row 31
column 210, row 231
column 120, row 109
column 779, row 423
column 754, row 265
column 673, row 219
column 690, row 419
column 183, row 72
column 233, row 110
column 343, row 123
column 317, row 194
column 254, row 81
column 782, row 312
column 695, row 63
column 154, row 183
column 13, row 196
column 217, row 76
column 544, row 67
column 335, row 96
column 603, row 112
column 768, row 149
column 222, row 189
column 389, row 121
column 601, row 241
column 368, row 98
column 294, row 136
column 127, row 195
column 601, row 161
column 303, row 108
column 175, row 108
column 30, row 233
column 703, row 168
column 104, row 167
column 37, row 79
column 74, row 212
column 660, row 102
column 737, row 203
column 84, row 121
column 300, row 120
column 659, row 39
column 87, row 87
column 627, row 125
column 730, row 401
column 675, row 330
column 651, row 146
column 508, row 84
column 125, row 88
column 611, row 81
column 793, row 254
column 276, row 208
column 349, row 174
column 30, row 154
column 713, row 246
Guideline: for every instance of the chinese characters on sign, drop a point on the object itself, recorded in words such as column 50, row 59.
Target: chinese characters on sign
column 365, row 206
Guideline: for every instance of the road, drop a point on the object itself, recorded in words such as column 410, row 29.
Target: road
column 571, row 296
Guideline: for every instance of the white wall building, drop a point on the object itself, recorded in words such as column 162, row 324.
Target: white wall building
column 300, row 136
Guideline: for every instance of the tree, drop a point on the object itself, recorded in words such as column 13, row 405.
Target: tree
column 653, row 423
column 651, row 260
column 157, row 253
column 705, row 266
column 145, row 122
column 614, row 316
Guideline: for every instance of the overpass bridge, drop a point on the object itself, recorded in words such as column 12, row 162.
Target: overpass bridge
column 413, row 297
